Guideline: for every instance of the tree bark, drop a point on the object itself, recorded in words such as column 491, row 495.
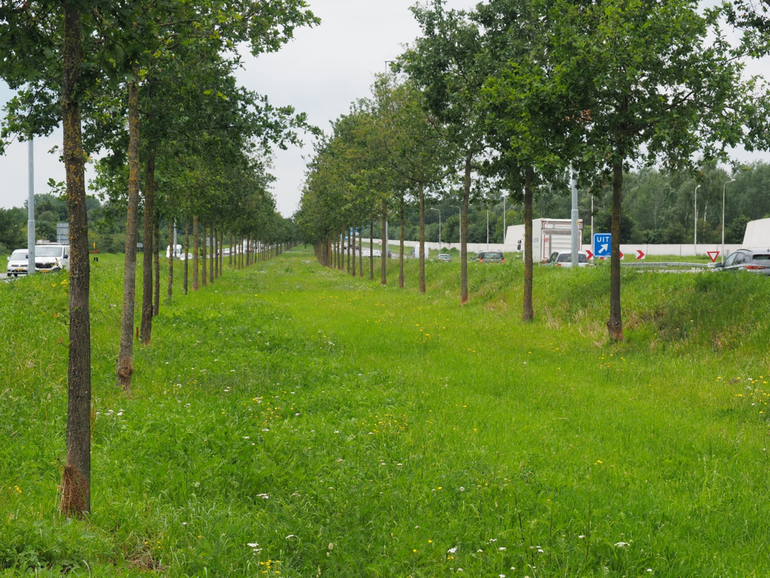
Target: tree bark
column 149, row 211
column 371, row 251
column 528, row 313
column 615, row 323
column 464, row 236
column 76, row 478
column 196, row 249
column 422, row 237
column 186, row 255
column 156, row 266
column 125, row 365
column 172, row 255
column 213, row 256
column 401, row 215
column 204, row 245
column 384, row 256
column 361, row 253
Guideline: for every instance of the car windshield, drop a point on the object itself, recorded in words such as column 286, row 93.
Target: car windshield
column 567, row 258
column 19, row 254
column 48, row 252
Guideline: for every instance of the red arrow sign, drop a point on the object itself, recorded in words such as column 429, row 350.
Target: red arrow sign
column 589, row 253
column 713, row 255
column 621, row 254
column 640, row 254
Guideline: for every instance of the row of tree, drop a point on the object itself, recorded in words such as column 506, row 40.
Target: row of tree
column 104, row 70
column 107, row 225
column 516, row 96
column 658, row 207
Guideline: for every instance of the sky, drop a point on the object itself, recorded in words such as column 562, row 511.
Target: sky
column 321, row 72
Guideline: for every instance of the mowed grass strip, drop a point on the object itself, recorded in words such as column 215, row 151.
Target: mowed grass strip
column 292, row 420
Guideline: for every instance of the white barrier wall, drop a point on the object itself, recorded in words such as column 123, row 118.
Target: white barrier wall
column 650, row 250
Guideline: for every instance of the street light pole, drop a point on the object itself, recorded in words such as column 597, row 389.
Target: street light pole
column 31, row 211
column 723, row 218
column 695, row 233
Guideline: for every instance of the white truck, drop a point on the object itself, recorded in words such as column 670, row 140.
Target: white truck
column 548, row 236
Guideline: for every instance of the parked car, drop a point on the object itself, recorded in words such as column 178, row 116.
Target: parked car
column 564, row 259
column 47, row 258
column 444, row 257
column 374, row 253
column 751, row 260
column 490, row 257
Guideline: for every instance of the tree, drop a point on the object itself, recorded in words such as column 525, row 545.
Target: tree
column 656, row 79
column 443, row 63
column 413, row 144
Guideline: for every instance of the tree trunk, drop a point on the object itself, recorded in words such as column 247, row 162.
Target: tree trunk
column 186, row 254
column 353, row 247
column 204, row 246
column 371, row 251
column 422, row 237
column 196, row 250
column 401, row 211
column 361, row 253
column 125, row 356
column 384, row 257
column 171, row 257
column 464, row 236
column 156, row 266
column 615, row 323
column 213, row 256
column 149, row 211
column 230, row 254
column 76, row 478
column 528, row 313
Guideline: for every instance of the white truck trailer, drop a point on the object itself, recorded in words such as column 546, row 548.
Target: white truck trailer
column 548, row 236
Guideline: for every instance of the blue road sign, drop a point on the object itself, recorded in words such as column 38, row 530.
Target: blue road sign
column 602, row 244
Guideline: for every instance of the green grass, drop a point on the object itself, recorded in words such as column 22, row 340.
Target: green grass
column 350, row 429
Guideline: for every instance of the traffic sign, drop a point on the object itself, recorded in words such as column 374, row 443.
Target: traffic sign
column 602, row 244
column 640, row 254
column 590, row 253
column 713, row 255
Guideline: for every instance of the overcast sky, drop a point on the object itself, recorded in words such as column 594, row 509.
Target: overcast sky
column 321, row 72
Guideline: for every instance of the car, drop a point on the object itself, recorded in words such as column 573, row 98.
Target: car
column 444, row 257
column 750, row 260
column 47, row 258
column 564, row 259
column 490, row 257
column 374, row 253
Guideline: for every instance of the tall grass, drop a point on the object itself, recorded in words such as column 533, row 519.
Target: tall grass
column 291, row 419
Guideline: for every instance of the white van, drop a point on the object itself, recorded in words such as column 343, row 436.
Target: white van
column 47, row 258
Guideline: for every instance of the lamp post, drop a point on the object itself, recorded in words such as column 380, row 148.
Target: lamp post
column 460, row 227
column 439, row 226
column 505, row 230
column 695, row 233
column 31, row 212
column 723, row 218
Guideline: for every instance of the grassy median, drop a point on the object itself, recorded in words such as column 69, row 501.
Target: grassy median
column 292, row 420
